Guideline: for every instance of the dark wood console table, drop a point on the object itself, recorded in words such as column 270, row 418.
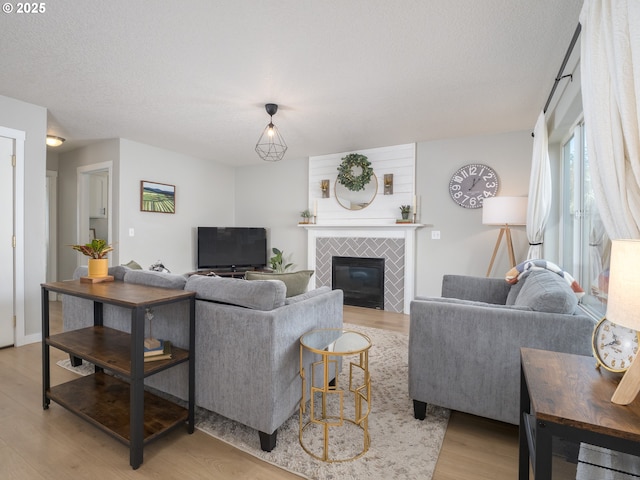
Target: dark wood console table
column 563, row 395
column 122, row 408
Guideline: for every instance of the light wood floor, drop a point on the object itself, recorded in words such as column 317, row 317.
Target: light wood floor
column 54, row 444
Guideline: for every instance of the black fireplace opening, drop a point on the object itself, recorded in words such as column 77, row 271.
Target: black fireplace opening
column 361, row 280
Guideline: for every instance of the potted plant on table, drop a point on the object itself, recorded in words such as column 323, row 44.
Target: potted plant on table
column 96, row 250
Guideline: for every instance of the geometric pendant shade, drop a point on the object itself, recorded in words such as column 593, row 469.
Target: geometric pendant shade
column 271, row 147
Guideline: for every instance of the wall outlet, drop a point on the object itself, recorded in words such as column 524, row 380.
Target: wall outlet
column 435, row 235
column 131, row 232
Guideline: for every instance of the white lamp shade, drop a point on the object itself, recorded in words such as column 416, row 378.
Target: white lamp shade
column 504, row 210
column 623, row 299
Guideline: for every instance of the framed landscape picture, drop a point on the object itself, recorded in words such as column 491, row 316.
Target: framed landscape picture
column 157, row 197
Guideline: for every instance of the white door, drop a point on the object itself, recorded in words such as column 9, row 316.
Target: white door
column 6, row 242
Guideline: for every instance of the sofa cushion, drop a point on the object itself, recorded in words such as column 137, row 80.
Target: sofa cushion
column 155, row 279
column 471, row 303
column 306, row 295
column 259, row 295
column 545, row 291
column 133, row 265
column 296, row 282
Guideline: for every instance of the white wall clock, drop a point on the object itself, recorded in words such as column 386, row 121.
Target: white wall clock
column 471, row 184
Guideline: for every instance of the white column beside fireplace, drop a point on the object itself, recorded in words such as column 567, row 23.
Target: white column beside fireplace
column 405, row 232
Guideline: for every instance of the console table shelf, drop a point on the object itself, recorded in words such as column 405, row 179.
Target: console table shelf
column 110, row 349
column 118, row 404
column 103, row 400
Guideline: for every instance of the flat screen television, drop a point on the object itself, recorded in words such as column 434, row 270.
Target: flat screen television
column 232, row 247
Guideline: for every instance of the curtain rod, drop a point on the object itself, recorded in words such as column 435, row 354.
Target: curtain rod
column 559, row 77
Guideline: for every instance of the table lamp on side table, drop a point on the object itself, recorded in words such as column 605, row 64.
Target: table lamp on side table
column 623, row 307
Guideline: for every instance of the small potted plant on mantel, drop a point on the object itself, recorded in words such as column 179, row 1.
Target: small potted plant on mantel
column 404, row 211
column 306, row 215
column 98, row 265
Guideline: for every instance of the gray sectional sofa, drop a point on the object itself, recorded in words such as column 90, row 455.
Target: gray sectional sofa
column 247, row 355
column 464, row 347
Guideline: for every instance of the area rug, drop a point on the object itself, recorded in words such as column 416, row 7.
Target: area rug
column 401, row 446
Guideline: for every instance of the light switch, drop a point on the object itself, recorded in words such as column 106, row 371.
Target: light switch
column 131, row 232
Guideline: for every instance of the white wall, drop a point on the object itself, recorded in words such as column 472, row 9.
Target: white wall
column 466, row 245
column 31, row 119
column 204, row 197
column 272, row 195
column 68, row 163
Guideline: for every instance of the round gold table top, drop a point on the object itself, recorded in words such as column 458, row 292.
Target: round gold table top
column 335, row 341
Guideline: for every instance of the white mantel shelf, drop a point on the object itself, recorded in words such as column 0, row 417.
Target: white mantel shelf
column 406, row 231
column 379, row 226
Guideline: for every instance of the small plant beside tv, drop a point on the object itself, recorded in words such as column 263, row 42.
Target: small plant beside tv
column 277, row 262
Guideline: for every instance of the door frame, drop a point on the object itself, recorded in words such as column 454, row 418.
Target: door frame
column 82, row 173
column 18, row 136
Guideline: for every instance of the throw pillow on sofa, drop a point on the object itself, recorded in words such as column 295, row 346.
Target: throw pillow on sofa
column 234, row 291
column 545, row 291
column 296, row 282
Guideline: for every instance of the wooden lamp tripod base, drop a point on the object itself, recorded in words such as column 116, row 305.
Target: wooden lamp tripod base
column 506, row 232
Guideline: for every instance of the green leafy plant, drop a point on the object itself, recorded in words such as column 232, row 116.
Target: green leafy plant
column 277, row 262
column 98, row 248
column 405, row 208
column 347, row 176
column 305, row 213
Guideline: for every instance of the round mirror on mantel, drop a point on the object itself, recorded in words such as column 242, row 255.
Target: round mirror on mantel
column 357, row 200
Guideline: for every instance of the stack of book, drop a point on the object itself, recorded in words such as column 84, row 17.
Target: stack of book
column 157, row 350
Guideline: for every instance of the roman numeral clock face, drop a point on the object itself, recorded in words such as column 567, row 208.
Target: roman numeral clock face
column 471, row 184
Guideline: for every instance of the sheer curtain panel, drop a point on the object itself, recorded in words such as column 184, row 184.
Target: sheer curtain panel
column 539, row 190
column 610, row 67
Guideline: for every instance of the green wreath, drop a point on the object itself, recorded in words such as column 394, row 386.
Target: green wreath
column 346, row 176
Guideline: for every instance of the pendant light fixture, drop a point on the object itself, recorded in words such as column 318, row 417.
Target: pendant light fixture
column 271, row 147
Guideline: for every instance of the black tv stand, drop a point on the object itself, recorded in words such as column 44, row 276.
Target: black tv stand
column 232, row 272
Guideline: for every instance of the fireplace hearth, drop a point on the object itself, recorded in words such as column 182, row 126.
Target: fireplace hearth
column 361, row 279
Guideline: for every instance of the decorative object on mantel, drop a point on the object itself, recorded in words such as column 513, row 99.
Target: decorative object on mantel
column 98, row 266
column 404, row 211
column 324, row 186
column 306, row 215
column 271, row 147
column 349, row 178
column 388, row 184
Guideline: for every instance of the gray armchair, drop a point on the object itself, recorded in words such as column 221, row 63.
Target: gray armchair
column 464, row 347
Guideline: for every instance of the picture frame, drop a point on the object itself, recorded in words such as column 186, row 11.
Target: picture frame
column 157, row 197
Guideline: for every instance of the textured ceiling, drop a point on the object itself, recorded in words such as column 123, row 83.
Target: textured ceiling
column 193, row 76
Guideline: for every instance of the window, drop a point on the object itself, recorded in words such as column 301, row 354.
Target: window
column 585, row 245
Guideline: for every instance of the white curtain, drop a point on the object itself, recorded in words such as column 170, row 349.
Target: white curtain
column 539, row 190
column 610, row 67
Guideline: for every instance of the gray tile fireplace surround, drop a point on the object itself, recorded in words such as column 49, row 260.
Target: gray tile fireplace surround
column 391, row 249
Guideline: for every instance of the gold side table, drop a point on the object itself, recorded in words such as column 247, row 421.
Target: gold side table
column 328, row 403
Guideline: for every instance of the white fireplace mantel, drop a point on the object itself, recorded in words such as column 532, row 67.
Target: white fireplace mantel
column 404, row 231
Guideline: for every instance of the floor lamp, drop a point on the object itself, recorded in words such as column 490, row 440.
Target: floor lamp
column 506, row 212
